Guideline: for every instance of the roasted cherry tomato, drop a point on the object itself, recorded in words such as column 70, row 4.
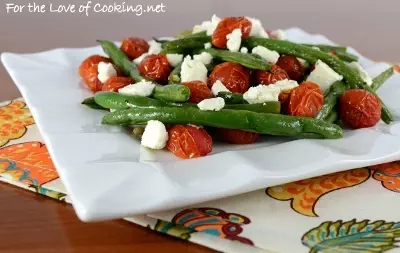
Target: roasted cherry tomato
column 198, row 91
column 284, row 99
column 134, row 47
column 233, row 75
column 292, row 66
column 306, row 100
column 89, row 62
column 155, row 67
column 91, row 80
column 275, row 74
column 226, row 26
column 236, row 136
column 116, row 82
column 359, row 108
column 189, row 141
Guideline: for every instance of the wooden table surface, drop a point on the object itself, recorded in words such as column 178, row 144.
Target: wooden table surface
column 33, row 223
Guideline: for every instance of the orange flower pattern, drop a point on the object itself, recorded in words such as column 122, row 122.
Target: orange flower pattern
column 14, row 118
column 388, row 174
column 28, row 163
column 305, row 194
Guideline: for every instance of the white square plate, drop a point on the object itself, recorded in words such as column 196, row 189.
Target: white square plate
column 108, row 175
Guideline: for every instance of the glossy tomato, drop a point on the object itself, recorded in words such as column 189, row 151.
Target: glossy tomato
column 198, row 91
column 275, row 74
column 306, row 100
column 90, row 79
column 294, row 69
column 89, row 62
column 189, row 141
column 156, row 68
column 359, row 108
column 236, row 136
column 226, row 26
column 233, row 75
column 115, row 83
column 284, row 99
column 134, row 47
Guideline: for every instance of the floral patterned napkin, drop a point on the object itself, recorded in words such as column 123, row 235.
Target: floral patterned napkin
column 351, row 211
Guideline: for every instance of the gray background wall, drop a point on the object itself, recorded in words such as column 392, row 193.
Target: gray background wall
column 372, row 27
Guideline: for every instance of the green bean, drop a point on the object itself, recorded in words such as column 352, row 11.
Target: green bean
column 328, row 48
column 311, row 55
column 172, row 93
column 91, row 103
column 175, row 75
column 382, row 78
column 185, row 45
column 251, row 61
column 332, row 117
column 189, row 34
column 330, row 99
column 184, row 34
column 113, row 100
column 232, row 97
column 120, row 60
column 347, row 57
column 137, row 131
column 265, row 123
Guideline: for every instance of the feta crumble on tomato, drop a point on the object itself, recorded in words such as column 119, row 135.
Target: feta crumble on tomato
column 323, row 75
column 244, row 50
column 234, row 39
column 217, row 87
column 303, row 62
column 211, row 104
column 268, row 55
column 105, row 71
column 154, row 48
column 361, row 71
column 256, row 28
column 278, row 34
column 174, row 59
column 143, row 88
column 285, row 85
column 193, row 70
column 207, row 26
column 207, row 45
column 204, row 57
column 155, row 135
column 262, row 93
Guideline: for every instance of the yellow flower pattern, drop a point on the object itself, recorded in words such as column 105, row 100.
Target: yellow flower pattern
column 14, row 118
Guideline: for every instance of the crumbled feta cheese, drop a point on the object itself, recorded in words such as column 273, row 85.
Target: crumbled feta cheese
column 278, row 34
column 143, row 88
column 105, row 70
column 154, row 48
column 244, row 50
column 234, row 39
column 207, row 45
column 285, row 85
column 257, row 28
column 268, row 55
column 302, row 62
column 217, row 87
column 193, row 70
column 208, row 26
column 211, row 104
column 323, row 75
column 262, row 93
column 204, row 57
column 361, row 71
column 174, row 59
column 155, row 135
column 167, row 38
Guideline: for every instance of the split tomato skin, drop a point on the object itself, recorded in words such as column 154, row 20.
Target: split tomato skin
column 115, row 83
column 187, row 141
column 156, row 68
column 359, row 108
column 134, row 47
column 91, row 80
column 234, row 76
column 306, row 100
column 294, row 69
column 237, row 136
column 198, row 91
column 275, row 74
column 226, row 26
